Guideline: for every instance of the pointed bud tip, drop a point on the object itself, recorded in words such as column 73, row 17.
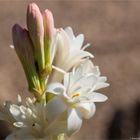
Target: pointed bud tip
column 48, row 14
column 34, row 20
column 17, row 29
column 47, row 11
column 33, row 6
column 33, row 11
column 49, row 23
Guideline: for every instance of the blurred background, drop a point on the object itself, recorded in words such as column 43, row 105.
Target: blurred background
column 113, row 29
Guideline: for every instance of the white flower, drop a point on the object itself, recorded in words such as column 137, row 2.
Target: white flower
column 30, row 121
column 69, row 52
column 76, row 96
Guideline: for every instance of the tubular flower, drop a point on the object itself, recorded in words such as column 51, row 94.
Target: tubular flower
column 76, row 96
column 30, row 120
column 69, row 52
column 24, row 50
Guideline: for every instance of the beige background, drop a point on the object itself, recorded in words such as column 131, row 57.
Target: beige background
column 112, row 28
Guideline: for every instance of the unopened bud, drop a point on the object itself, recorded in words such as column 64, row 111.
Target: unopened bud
column 48, row 24
column 49, row 32
column 36, row 31
column 24, row 49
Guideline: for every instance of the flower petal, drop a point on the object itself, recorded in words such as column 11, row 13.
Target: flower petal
column 66, row 80
column 97, row 97
column 85, row 82
column 68, row 122
column 55, row 88
column 74, row 121
column 76, row 57
column 87, row 110
column 54, row 108
column 69, row 32
column 101, row 85
column 63, row 46
column 73, row 55
column 57, row 126
column 78, row 42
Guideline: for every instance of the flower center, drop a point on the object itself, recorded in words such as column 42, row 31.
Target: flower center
column 75, row 94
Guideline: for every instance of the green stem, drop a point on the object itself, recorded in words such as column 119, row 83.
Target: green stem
column 59, row 137
column 42, row 82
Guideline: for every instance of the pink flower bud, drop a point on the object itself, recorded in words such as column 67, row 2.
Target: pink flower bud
column 36, row 31
column 49, row 31
column 48, row 24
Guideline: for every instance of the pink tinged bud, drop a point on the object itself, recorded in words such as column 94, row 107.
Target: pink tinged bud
column 48, row 24
column 36, row 31
column 24, row 49
column 49, row 31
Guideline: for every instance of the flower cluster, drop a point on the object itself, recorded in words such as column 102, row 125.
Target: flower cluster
column 60, row 75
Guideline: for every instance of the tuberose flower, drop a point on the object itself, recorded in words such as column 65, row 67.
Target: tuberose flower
column 65, row 94
column 30, row 121
column 76, row 96
column 69, row 52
